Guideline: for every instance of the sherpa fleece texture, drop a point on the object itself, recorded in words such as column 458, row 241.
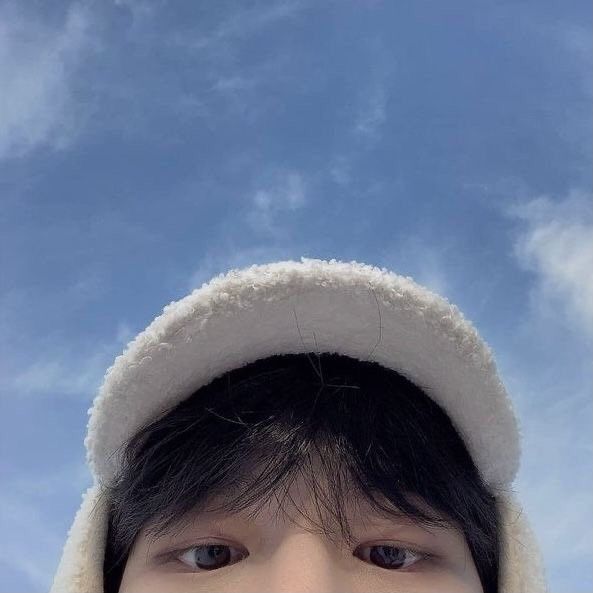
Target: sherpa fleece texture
column 312, row 305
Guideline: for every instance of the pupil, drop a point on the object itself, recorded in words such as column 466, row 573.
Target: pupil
column 388, row 556
column 211, row 556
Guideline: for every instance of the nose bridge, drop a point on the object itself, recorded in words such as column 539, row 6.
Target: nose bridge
column 303, row 562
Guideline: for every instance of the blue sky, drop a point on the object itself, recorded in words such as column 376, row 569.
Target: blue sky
column 146, row 146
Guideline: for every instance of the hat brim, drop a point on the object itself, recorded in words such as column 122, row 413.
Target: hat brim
column 312, row 305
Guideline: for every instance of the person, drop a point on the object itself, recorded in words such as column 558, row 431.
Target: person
column 303, row 425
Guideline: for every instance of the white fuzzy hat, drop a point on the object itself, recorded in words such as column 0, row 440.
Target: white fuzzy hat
column 288, row 307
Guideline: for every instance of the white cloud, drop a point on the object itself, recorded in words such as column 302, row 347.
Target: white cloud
column 555, row 479
column 242, row 23
column 31, row 544
column 233, row 84
column 71, row 478
column 37, row 107
column 577, row 39
column 222, row 259
column 557, row 244
column 63, row 371
column 224, row 84
column 239, row 95
column 340, row 170
column 366, row 127
column 91, row 284
column 554, row 241
column 372, row 116
column 368, row 117
column 286, row 193
column 27, row 549
column 412, row 255
column 139, row 9
column 573, row 37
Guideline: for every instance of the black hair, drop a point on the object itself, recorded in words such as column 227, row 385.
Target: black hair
column 371, row 426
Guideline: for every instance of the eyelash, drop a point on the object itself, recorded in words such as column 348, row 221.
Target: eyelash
column 173, row 555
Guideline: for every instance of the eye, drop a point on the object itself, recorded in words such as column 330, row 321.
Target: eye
column 210, row 556
column 391, row 557
column 213, row 556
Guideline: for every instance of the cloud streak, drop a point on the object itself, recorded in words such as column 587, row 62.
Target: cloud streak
column 367, row 119
column 243, row 22
column 557, row 244
column 35, row 544
column 372, row 116
column 37, row 63
column 560, row 433
column 285, row 194
column 64, row 372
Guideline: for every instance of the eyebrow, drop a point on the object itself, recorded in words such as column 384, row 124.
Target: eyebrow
column 217, row 519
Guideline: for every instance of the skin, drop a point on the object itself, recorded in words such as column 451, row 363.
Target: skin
column 278, row 552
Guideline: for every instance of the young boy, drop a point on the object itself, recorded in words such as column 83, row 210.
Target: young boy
column 303, row 426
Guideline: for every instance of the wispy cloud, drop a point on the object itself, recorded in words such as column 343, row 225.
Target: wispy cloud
column 578, row 40
column 556, row 427
column 34, row 544
column 372, row 115
column 556, row 243
column 37, row 62
column 366, row 131
column 424, row 261
column 242, row 22
column 231, row 84
column 224, row 84
column 340, row 171
column 240, row 94
column 73, row 478
column 286, row 193
column 367, row 117
column 371, row 110
column 572, row 42
column 27, row 550
column 571, row 36
column 63, row 371
column 139, row 9
column 222, row 258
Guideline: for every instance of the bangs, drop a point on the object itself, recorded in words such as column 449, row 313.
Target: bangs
column 333, row 485
column 352, row 430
